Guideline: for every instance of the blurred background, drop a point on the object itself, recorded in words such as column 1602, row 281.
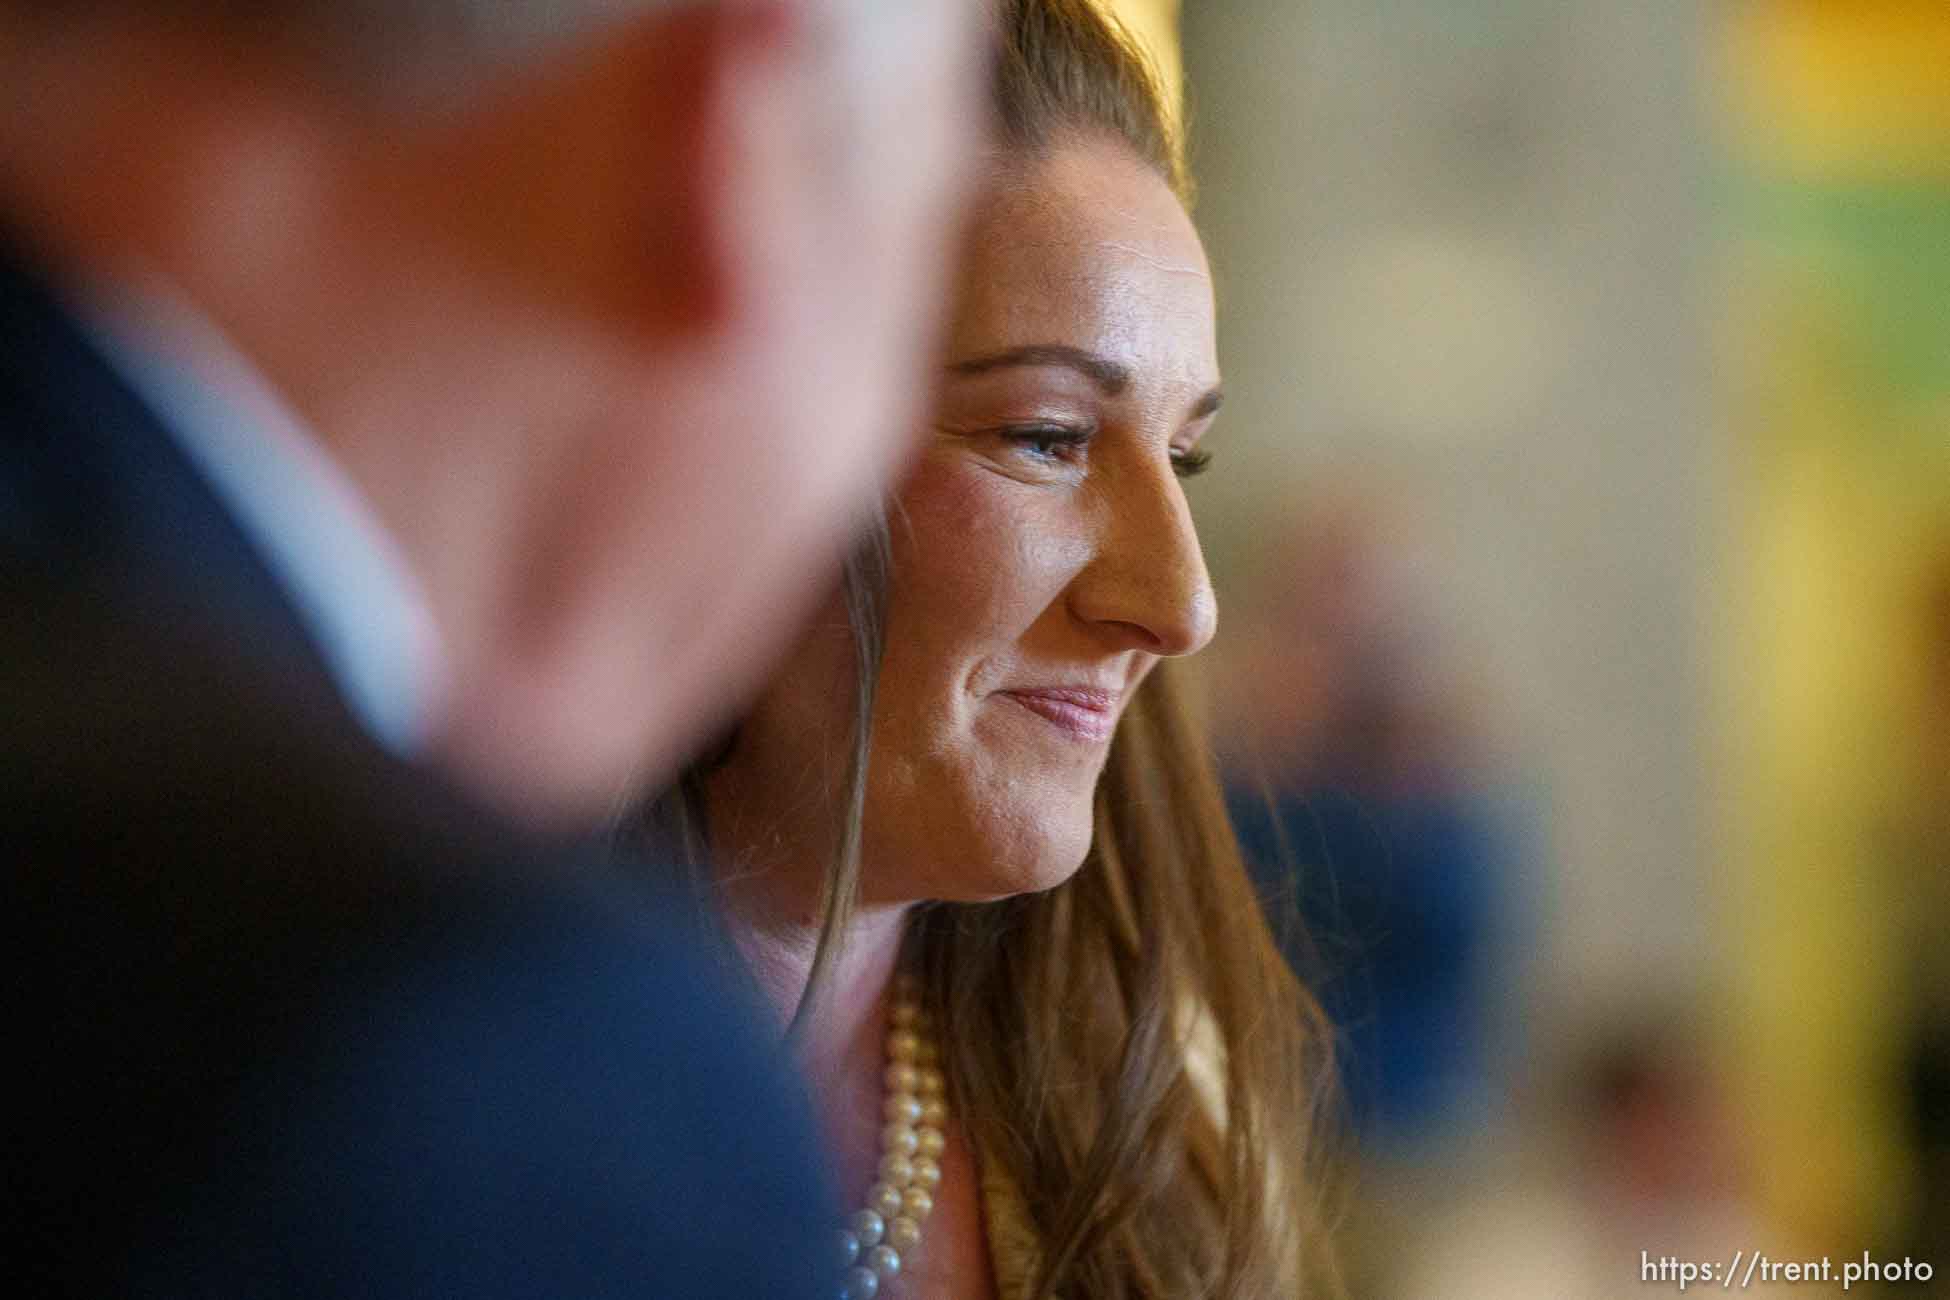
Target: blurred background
column 1581, row 519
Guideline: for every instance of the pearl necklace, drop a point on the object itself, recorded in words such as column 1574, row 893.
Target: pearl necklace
column 874, row 1241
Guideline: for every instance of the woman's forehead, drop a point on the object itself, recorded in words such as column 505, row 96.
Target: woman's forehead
column 1091, row 249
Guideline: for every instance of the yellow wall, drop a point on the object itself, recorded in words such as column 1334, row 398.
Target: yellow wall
column 1840, row 142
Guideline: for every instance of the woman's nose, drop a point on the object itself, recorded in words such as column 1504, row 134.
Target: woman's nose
column 1147, row 584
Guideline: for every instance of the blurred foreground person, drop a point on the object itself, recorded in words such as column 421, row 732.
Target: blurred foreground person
column 399, row 388
column 1050, row 1035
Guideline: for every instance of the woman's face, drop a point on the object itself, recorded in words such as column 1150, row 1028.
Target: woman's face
column 1044, row 557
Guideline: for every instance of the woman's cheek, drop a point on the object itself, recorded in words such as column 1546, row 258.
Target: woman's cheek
column 971, row 542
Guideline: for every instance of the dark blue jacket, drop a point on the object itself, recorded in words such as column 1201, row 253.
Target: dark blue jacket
column 291, row 1017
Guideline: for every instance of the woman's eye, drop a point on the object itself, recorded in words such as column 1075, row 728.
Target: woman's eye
column 1190, row 464
column 1051, row 442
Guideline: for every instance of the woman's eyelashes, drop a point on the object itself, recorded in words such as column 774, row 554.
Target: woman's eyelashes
column 1191, row 462
column 1060, row 444
column 1048, row 444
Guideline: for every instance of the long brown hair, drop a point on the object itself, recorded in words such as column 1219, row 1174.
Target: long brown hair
column 1130, row 1047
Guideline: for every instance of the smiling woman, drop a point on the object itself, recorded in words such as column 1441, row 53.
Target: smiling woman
column 1045, row 559
column 1036, row 851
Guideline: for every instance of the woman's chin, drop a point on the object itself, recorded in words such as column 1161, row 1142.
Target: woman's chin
column 1019, row 866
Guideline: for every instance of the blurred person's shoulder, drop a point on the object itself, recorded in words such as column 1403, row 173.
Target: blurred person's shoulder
column 306, row 1018
column 216, row 814
column 130, row 726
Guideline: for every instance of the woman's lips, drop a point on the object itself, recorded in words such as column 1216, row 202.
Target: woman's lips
column 1082, row 712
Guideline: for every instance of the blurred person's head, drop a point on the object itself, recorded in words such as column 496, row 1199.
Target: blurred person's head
column 615, row 310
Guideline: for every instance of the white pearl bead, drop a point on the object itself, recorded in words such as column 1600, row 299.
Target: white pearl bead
column 885, row 1200
column 884, row 1261
column 868, row 1227
column 877, row 1238
column 904, row 1234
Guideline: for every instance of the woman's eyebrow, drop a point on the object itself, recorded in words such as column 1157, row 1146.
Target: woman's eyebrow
column 1108, row 375
column 1207, row 405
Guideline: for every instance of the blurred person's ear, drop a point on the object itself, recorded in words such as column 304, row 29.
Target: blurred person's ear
column 714, row 98
column 641, row 181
